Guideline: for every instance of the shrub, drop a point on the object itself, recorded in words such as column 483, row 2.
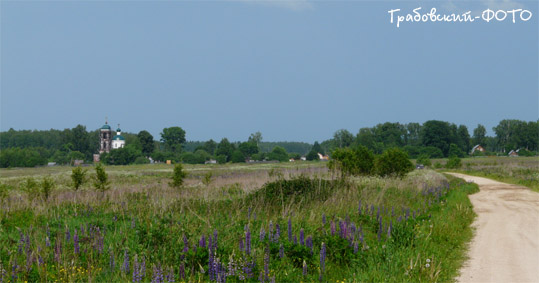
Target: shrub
column 454, row 150
column 423, row 159
column 31, row 188
column 178, row 176
column 101, row 182
column 393, row 162
column 78, row 176
column 142, row 160
column 237, row 157
column 47, row 184
column 357, row 161
column 207, row 179
column 453, row 163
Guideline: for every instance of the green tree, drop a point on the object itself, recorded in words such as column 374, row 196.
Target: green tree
column 101, row 180
column 255, row 138
column 225, row 148
column 173, row 138
column 178, row 176
column 437, row 134
column 313, row 153
column 463, row 138
column 343, row 138
column 479, row 135
column 393, row 162
column 237, row 156
column 147, row 142
column 279, row 153
column 248, row 148
column 454, row 150
column 78, row 177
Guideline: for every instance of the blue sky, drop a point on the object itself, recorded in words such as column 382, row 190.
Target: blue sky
column 295, row 71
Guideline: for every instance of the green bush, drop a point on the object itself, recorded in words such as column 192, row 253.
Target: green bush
column 78, row 176
column 101, row 181
column 47, row 184
column 423, row 159
column 357, row 161
column 31, row 187
column 393, row 162
column 178, row 176
column 142, row 160
column 453, row 163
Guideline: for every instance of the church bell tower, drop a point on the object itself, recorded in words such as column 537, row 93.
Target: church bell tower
column 105, row 136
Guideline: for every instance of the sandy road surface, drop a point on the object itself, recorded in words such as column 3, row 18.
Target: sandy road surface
column 505, row 247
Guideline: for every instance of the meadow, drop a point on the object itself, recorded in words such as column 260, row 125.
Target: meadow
column 293, row 222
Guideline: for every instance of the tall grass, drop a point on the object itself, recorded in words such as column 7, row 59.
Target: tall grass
column 237, row 227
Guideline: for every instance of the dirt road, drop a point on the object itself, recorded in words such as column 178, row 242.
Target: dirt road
column 505, row 247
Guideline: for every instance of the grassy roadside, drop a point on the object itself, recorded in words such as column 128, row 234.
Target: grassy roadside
column 529, row 181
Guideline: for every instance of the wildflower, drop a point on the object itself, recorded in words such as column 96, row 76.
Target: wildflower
column 427, row 265
column 304, row 268
column 428, row 260
column 277, row 232
column 248, row 241
column 125, row 266
column 322, row 260
column 262, row 234
column 157, row 274
column 76, row 242
column 170, row 275
column 332, row 228
column 324, row 218
column 310, row 243
column 301, row 237
column 281, row 251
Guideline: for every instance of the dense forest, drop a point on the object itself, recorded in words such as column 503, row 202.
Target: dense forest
column 433, row 138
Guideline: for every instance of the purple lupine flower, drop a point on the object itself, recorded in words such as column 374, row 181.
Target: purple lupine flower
column 182, row 271
column 295, row 240
column 324, row 218
column 143, row 267
column 277, row 232
column 201, row 242
column 310, row 243
column 47, row 242
column 262, row 234
column 281, row 251
column 248, row 241
column 170, row 275
column 356, row 247
column 332, row 228
column 211, row 265
column 3, row 273
column 185, row 244
column 68, row 235
column 301, row 237
column 231, row 267
column 136, row 271
column 76, row 242
column 21, row 243
column 214, row 240
column 241, row 245
column 322, row 259
column 125, row 266
column 157, row 275
column 14, row 268
column 407, row 214
column 289, row 230
column 266, row 263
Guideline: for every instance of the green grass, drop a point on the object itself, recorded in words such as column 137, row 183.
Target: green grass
column 146, row 218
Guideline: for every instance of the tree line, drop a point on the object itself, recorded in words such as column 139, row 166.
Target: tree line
column 435, row 139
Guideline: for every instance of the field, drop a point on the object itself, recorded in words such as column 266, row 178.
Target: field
column 252, row 222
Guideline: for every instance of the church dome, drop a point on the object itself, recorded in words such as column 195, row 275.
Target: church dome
column 105, row 127
column 118, row 130
column 118, row 138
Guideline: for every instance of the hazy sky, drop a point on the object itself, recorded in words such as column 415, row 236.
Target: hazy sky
column 295, row 71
